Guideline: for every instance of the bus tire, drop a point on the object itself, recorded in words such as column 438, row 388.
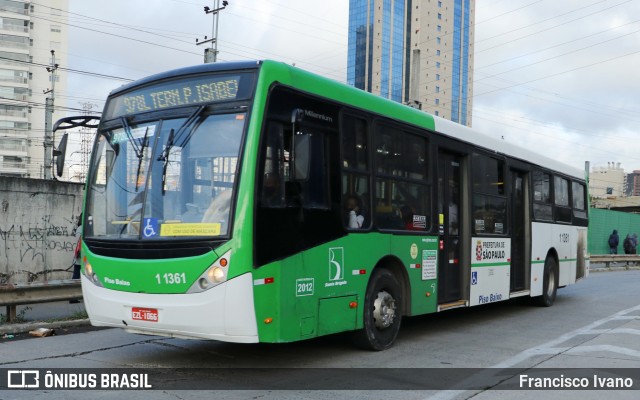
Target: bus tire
column 382, row 312
column 549, row 283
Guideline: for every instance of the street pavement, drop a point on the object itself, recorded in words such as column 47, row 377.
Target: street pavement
column 62, row 314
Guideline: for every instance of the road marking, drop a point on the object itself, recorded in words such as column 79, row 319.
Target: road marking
column 605, row 347
column 551, row 348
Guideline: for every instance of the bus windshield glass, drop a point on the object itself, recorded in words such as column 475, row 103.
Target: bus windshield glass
column 166, row 178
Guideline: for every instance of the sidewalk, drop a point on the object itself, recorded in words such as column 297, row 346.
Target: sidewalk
column 614, row 267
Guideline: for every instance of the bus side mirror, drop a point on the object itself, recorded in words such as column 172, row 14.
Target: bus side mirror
column 300, row 148
column 82, row 121
column 60, row 154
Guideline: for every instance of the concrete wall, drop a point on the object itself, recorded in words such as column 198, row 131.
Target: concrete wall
column 37, row 229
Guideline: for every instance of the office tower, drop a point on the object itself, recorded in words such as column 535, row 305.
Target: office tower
column 418, row 52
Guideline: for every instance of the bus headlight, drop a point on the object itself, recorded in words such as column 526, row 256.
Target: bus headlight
column 88, row 272
column 213, row 276
column 216, row 274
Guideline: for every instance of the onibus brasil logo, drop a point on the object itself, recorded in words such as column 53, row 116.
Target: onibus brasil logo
column 64, row 379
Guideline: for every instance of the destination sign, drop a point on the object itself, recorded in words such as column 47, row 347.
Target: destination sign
column 194, row 90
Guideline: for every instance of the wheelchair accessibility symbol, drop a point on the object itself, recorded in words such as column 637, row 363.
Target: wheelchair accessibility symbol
column 474, row 277
column 151, row 228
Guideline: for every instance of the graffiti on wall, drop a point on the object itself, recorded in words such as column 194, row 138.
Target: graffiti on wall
column 37, row 236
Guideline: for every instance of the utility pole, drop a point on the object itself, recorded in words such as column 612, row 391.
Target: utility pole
column 85, row 143
column 414, row 84
column 48, row 119
column 211, row 54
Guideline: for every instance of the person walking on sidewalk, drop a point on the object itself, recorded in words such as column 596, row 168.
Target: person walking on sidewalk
column 613, row 242
column 627, row 244
column 76, row 254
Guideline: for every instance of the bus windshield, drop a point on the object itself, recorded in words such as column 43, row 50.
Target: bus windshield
column 166, row 178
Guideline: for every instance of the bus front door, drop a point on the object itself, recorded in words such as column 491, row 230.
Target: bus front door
column 449, row 201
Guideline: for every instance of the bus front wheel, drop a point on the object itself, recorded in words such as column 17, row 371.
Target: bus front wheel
column 549, row 283
column 382, row 312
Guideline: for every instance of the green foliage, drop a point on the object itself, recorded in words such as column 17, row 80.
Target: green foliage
column 20, row 316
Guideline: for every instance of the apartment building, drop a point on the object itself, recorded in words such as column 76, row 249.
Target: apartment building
column 28, row 33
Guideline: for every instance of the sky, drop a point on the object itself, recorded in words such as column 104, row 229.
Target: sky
column 558, row 77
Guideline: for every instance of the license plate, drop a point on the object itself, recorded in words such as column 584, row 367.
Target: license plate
column 144, row 314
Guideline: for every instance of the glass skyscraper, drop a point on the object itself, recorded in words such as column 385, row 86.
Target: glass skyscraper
column 418, row 52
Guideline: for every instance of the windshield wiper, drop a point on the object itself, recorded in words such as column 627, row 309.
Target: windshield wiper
column 164, row 157
column 127, row 130
column 171, row 141
column 141, row 156
column 188, row 124
column 174, row 136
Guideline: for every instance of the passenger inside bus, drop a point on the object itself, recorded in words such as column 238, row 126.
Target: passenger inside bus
column 353, row 212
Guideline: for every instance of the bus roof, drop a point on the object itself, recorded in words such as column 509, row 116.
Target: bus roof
column 325, row 87
column 502, row 147
column 360, row 99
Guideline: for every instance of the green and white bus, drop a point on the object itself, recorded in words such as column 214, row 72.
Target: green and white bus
column 256, row 202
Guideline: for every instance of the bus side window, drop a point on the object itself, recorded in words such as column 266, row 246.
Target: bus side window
column 401, row 186
column 312, row 157
column 356, row 203
column 578, row 194
column 280, row 185
column 561, row 199
column 489, row 201
column 272, row 188
column 542, row 209
column 354, row 144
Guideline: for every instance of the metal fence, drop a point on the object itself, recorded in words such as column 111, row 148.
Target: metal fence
column 602, row 222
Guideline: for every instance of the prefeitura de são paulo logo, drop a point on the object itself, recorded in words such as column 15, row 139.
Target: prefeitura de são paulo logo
column 479, row 251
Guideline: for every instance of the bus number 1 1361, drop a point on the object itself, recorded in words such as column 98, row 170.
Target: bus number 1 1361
column 171, row 279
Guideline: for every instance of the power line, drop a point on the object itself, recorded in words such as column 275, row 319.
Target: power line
column 75, row 71
column 121, row 36
column 242, row 54
column 111, row 23
column 26, row 103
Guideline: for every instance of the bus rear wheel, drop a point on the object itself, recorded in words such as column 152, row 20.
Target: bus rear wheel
column 549, row 283
column 382, row 312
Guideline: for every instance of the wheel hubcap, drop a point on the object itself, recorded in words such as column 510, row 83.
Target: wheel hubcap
column 384, row 310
